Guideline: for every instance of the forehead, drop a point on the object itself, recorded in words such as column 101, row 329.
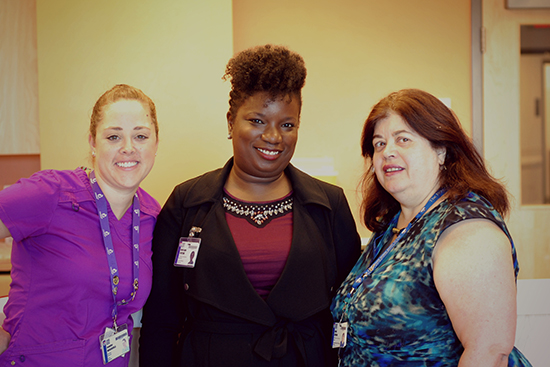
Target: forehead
column 125, row 106
column 124, row 112
column 392, row 123
column 265, row 101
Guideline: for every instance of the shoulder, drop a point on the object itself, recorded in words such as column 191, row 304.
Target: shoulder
column 49, row 182
column 63, row 178
column 148, row 204
column 203, row 185
column 310, row 190
column 197, row 182
column 472, row 227
column 207, row 187
column 475, row 233
column 473, row 206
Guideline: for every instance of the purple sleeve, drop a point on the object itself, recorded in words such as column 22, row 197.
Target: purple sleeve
column 26, row 208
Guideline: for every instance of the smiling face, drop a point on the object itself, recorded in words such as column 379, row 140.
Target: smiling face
column 405, row 163
column 264, row 133
column 124, row 146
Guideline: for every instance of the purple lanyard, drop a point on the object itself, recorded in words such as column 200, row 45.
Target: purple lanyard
column 380, row 258
column 101, row 202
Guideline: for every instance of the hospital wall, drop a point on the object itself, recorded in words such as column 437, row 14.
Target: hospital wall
column 356, row 52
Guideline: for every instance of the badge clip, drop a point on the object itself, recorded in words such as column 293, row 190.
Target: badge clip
column 194, row 231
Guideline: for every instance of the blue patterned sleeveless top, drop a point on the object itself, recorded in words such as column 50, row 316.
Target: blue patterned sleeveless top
column 396, row 317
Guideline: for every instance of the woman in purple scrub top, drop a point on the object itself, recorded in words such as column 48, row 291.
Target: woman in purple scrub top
column 81, row 258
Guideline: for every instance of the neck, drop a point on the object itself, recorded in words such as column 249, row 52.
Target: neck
column 118, row 200
column 259, row 189
column 409, row 211
column 119, row 204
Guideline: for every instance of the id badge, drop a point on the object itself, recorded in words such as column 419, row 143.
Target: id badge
column 339, row 334
column 188, row 250
column 114, row 344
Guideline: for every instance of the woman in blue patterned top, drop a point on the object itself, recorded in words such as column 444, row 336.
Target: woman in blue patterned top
column 436, row 283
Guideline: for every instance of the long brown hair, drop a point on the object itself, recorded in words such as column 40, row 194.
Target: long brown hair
column 464, row 168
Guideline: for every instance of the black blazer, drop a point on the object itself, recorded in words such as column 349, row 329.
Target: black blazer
column 224, row 316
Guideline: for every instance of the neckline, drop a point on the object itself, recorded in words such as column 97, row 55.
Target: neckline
column 258, row 214
column 244, row 202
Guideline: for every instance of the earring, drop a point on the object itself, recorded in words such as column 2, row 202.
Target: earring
column 372, row 169
column 229, row 137
column 93, row 153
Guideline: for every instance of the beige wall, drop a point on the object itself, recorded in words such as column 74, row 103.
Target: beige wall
column 18, row 79
column 528, row 224
column 356, row 52
column 532, row 162
column 175, row 51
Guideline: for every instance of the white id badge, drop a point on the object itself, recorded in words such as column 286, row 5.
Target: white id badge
column 114, row 344
column 339, row 334
column 188, row 250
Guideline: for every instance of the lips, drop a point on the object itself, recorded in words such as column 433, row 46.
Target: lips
column 127, row 164
column 392, row 169
column 271, row 153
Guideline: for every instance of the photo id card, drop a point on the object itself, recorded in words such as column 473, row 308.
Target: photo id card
column 339, row 334
column 188, row 250
column 114, row 344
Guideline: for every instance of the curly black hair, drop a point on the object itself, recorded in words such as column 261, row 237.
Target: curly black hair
column 272, row 69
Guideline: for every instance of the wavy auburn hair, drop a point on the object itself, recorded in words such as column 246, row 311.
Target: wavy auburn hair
column 464, row 170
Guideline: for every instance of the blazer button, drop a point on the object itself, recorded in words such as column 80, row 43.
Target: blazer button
column 186, row 286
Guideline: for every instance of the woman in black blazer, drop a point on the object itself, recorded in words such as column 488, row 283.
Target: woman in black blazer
column 246, row 258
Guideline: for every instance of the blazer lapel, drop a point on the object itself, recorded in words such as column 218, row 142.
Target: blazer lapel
column 219, row 278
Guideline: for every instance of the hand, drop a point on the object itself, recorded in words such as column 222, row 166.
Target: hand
column 4, row 232
column 5, row 338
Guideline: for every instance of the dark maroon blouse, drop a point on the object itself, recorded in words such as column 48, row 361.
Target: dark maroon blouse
column 262, row 232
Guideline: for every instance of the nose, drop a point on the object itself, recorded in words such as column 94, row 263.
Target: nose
column 389, row 149
column 271, row 134
column 127, row 146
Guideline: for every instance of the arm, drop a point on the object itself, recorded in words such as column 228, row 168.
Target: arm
column 347, row 242
column 474, row 275
column 5, row 338
column 163, row 312
column 4, row 232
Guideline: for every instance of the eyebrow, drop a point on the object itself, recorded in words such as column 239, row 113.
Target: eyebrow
column 117, row 128
column 395, row 133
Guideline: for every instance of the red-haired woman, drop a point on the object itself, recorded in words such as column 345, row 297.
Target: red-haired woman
column 436, row 284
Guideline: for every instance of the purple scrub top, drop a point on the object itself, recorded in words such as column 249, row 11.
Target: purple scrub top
column 60, row 298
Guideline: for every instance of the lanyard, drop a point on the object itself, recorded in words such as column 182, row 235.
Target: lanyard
column 381, row 258
column 101, row 202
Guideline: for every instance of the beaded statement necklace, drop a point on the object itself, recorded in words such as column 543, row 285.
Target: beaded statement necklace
column 258, row 215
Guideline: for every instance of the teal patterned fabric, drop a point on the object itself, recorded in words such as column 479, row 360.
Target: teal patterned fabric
column 396, row 317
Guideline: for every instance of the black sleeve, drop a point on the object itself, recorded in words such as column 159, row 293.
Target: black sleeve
column 163, row 314
column 347, row 243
